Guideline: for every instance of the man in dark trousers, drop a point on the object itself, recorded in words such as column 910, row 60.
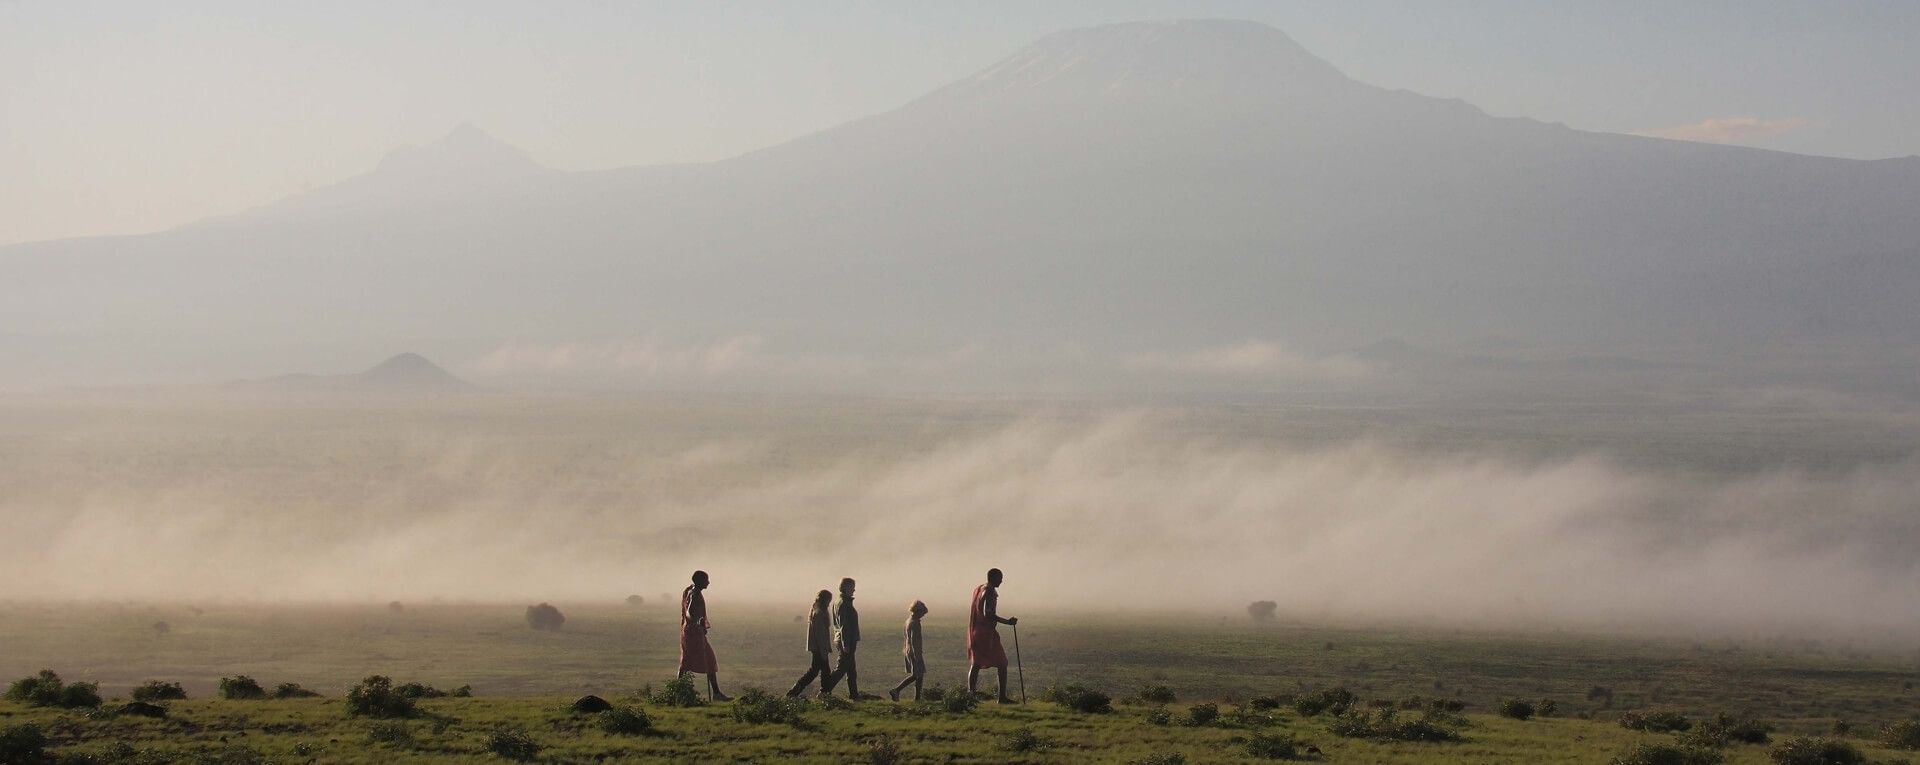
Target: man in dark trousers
column 846, row 638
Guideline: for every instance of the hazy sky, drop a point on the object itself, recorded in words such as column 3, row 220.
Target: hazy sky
column 120, row 117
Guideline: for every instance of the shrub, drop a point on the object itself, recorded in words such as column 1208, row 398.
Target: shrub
column 957, row 702
column 1665, row 754
column 1262, row 610
column 292, row 691
column 1724, row 729
column 142, row 709
column 678, row 692
column 1332, row 700
column 836, row 703
column 635, row 600
column 756, row 706
column 1156, row 694
column 1245, row 717
column 1264, row 703
column 624, row 721
column 395, row 607
column 48, row 690
column 1656, row 721
column 23, row 743
column 545, row 617
column 396, row 734
column 1902, row 735
column 78, row 695
column 1547, row 708
column 1265, row 746
column 1816, row 751
column 241, row 687
column 1079, row 699
column 1159, row 716
column 1517, row 709
column 161, row 628
column 1201, row 714
column 1387, row 725
column 226, row 755
column 375, row 697
column 420, row 691
column 883, row 751
column 1163, row 758
column 1023, row 740
column 512, row 743
column 155, row 690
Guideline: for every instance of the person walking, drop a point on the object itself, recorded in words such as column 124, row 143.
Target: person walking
column 696, row 654
column 819, row 643
column 910, row 648
column 846, row 640
column 983, row 635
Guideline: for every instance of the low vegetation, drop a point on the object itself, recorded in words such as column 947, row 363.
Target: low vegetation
column 1079, row 699
column 624, row 721
column 678, row 692
column 1656, row 721
column 1202, row 714
column 513, row 743
column 48, row 690
column 1023, row 740
column 1817, row 751
column 22, row 744
column 155, row 690
column 1723, row 730
column 376, row 697
column 545, row 617
column 1904, row 734
column 241, row 687
column 1392, row 725
column 1273, row 746
column 1334, row 701
column 1516, row 709
column 1661, row 753
column 293, row 691
column 758, row 707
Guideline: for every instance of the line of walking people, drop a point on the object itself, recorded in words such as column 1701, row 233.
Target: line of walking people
column 833, row 628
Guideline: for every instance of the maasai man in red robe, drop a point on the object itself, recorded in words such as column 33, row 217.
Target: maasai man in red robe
column 983, row 635
column 696, row 655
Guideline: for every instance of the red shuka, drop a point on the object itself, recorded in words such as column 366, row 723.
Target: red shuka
column 983, row 639
column 696, row 655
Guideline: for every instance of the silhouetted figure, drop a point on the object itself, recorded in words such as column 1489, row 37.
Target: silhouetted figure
column 910, row 648
column 846, row 638
column 819, row 643
column 983, row 635
column 696, row 655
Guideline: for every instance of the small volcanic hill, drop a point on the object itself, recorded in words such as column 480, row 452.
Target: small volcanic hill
column 404, row 373
column 412, row 372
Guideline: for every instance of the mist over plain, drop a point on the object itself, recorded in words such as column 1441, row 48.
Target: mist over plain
column 1333, row 515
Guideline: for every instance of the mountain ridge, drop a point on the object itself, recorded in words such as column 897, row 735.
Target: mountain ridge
column 1071, row 214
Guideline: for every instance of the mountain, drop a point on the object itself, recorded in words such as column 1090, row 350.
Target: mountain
column 404, row 373
column 1106, row 192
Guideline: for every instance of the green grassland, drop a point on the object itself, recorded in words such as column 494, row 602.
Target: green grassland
column 457, row 730
column 526, row 679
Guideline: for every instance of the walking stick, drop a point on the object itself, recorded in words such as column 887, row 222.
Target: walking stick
column 1018, row 664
